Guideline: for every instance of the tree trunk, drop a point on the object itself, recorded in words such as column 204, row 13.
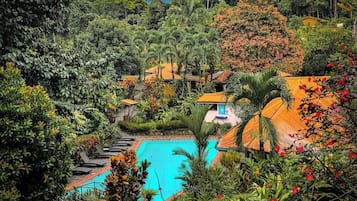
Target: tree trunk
column 261, row 141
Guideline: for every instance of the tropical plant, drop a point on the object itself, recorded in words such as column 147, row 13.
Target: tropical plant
column 259, row 89
column 195, row 176
column 319, row 43
column 35, row 143
column 126, row 179
column 199, row 128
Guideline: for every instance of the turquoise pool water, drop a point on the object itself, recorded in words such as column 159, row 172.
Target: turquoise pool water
column 164, row 165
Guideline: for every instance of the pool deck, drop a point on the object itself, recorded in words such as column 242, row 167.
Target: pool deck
column 78, row 180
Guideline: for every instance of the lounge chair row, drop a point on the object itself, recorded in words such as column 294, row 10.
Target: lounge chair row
column 121, row 145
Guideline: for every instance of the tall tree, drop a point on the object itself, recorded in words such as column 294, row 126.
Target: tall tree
column 22, row 22
column 255, row 37
column 155, row 13
column 186, row 13
column 259, row 89
column 34, row 152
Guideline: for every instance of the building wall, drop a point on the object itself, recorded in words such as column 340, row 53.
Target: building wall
column 231, row 116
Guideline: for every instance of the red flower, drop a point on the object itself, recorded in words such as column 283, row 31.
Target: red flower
column 317, row 114
column 277, row 148
column 330, row 143
column 308, row 171
column 351, row 155
column 273, row 199
column 309, row 79
column 292, row 135
column 336, row 174
column 349, row 52
column 340, row 65
column 282, row 154
column 300, row 149
column 342, row 46
column 301, row 166
column 324, row 79
column 309, row 177
column 219, row 196
column 343, row 99
column 330, row 65
column 295, row 189
column 344, row 92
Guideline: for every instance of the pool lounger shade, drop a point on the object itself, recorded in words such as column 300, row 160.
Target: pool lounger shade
column 80, row 170
column 90, row 162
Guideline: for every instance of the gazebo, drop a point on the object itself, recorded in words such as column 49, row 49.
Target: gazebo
column 128, row 105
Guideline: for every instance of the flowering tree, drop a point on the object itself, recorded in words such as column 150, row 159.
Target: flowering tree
column 255, row 37
column 332, row 155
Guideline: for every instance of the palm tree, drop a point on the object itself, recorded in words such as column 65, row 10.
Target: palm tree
column 193, row 176
column 259, row 89
column 142, row 42
column 198, row 127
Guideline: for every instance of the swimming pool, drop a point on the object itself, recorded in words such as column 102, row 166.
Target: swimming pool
column 164, row 167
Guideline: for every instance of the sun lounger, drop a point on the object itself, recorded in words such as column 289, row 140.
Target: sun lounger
column 117, row 148
column 80, row 170
column 101, row 154
column 91, row 162
column 121, row 143
column 126, row 138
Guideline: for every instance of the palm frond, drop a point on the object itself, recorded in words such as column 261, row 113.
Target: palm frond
column 239, row 133
column 182, row 152
column 270, row 131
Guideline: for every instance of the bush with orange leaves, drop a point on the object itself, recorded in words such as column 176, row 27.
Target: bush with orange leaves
column 126, row 179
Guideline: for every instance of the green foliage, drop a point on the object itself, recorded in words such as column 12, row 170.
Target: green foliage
column 35, row 152
column 22, row 22
column 126, row 179
column 135, row 127
column 148, row 194
column 88, row 195
column 87, row 143
column 225, row 127
column 154, row 14
column 319, row 43
column 230, row 159
column 198, row 127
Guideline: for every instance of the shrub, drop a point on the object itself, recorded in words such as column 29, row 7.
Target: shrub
column 230, row 159
column 87, row 143
column 135, row 127
column 225, row 127
column 34, row 152
column 126, row 179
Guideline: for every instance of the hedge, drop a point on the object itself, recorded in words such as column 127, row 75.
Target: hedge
column 134, row 127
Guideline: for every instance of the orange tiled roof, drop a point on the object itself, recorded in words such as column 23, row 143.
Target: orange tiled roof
column 285, row 121
column 223, row 77
column 165, row 72
column 217, row 97
column 128, row 102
